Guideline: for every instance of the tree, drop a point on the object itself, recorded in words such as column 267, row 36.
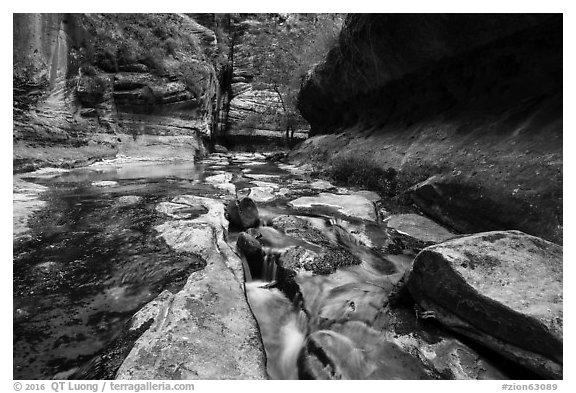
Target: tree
column 290, row 45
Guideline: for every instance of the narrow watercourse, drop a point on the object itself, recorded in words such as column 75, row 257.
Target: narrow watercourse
column 322, row 268
column 140, row 267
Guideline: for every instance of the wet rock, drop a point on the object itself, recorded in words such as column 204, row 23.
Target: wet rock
column 512, row 286
column 208, row 332
column 353, row 350
column 218, row 179
column 277, row 156
column 370, row 195
column 262, row 194
column 444, row 357
column 180, row 210
column 299, row 258
column 416, row 232
column 473, row 207
column 252, row 250
column 248, row 157
column 259, row 183
column 243, row 214
column 152, row 310
column 259, row 176
column 129, row 200
column 49, row 268
column 220, row 149
column 105, row 183
column 297, row 170
column 216, row 160
column 332, row 301
column 25, row 201
column 297, row 261
column 301, row 229
column 228, row 187
column 222, row 182
column 355, row 206
column 321, row 185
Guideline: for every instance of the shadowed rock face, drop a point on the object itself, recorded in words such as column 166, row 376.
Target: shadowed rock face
column 380, row 56
column 474, row 100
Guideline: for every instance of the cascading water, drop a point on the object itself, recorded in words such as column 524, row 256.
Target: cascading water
column 92, row 259
column 283, row 328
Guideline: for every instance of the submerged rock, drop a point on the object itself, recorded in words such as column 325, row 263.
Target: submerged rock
column 502, row 289
column 243, row 214
column 416, row 232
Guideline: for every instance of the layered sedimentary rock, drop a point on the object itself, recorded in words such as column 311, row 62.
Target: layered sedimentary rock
column 257, row 110
column 100, row 83
column 471, row 103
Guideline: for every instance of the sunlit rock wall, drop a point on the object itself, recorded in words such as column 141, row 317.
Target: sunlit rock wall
column 109, row 78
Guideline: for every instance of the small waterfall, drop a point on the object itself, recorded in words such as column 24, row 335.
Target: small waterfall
column 282, row 327
column 269, row 265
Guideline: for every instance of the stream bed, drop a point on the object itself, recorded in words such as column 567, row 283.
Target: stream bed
column 90, row 258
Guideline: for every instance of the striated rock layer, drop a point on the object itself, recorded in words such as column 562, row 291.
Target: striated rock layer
column 90, row 84
column 470, row 105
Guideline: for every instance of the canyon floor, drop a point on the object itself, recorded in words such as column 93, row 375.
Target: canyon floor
column 130, row 268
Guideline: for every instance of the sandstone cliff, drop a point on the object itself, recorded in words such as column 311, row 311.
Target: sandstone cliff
column 98, row 84
column 471, row 105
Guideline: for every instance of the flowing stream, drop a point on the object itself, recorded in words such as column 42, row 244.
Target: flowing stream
column 92, row 258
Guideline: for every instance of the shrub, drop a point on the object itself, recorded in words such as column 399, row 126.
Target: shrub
column 365, row 173
column 170, row 45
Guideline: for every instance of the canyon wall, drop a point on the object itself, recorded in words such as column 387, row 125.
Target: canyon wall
column 88, row 86
column 463, row 111
column 258, row 89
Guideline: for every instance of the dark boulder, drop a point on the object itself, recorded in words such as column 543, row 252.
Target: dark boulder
column 472, row 208
column 502, row 289
column 252, row 250
column 243, row 214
